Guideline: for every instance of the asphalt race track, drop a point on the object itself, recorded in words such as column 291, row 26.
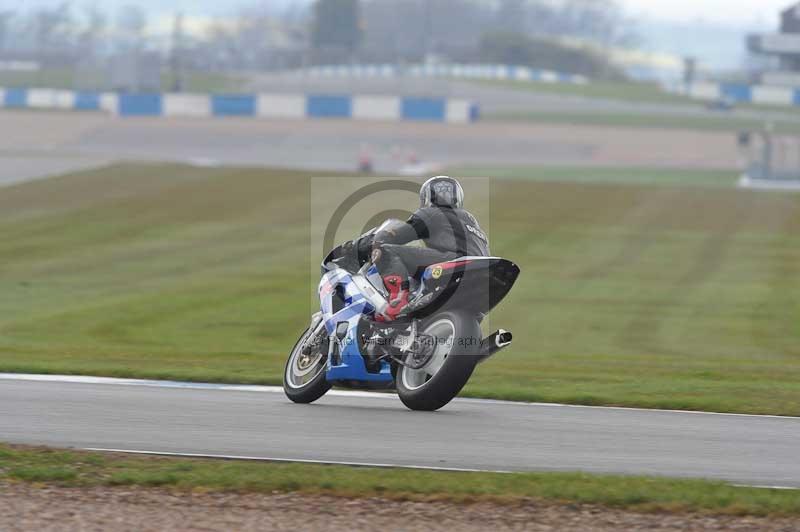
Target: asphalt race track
column 38, row 144
column 360, row 428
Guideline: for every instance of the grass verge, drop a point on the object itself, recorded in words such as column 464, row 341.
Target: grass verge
column 609, row 90
column 682, row 297
column 69, row 78
column 624, row 91
column 639, row 120
column 81, row 469
column 622, row 175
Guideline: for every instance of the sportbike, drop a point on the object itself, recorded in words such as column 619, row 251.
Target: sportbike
column 427, row 353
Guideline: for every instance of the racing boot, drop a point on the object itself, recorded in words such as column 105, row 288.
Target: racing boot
column 398, row 296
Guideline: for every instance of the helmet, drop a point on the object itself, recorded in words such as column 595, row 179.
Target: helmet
column 441, row 191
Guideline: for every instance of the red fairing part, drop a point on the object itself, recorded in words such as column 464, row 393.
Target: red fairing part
column 451, row 265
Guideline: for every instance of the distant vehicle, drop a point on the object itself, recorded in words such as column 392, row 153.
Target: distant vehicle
column 428, row 353
column 721, row 104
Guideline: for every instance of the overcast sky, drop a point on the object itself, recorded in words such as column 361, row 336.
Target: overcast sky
column 740, row 13
column 731, row 12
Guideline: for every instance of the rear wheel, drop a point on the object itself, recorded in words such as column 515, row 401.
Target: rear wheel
column 304, row 376
column 455, row 338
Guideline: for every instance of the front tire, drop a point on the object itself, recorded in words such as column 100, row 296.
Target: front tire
column 457, row 338
column 304, row 375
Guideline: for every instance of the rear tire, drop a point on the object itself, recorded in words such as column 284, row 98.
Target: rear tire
column 297, row 389
column 417, row 388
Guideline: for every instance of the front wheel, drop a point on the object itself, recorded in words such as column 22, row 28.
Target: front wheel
column 304, row 376
column 455, row 339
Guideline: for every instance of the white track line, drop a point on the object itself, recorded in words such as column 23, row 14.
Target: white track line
column 787, row 488
column 340, row 393
column 294, row 460
column 76, row 379
column 351, row 464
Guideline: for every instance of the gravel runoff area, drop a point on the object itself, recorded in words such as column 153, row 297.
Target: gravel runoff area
column 25, row 507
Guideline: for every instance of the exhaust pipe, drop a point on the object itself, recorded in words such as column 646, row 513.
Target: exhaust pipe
column 494, row 343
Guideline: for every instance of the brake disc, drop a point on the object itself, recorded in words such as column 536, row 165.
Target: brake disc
column 421, row 352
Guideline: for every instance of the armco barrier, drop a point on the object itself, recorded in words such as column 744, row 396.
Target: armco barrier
column 233, row 104
column 326, row 106
column 298, row 106
column 145, row 104
column 15, row 98
column 423, row 109
column 743, row 93
column 467, row 71
column 87, row 101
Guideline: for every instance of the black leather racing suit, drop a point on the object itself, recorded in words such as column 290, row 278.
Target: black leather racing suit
column 448, row 233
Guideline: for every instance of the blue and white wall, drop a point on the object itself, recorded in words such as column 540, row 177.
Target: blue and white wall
column 55, row 99
column 277, row 106
column 744, row 93
column 467, row 71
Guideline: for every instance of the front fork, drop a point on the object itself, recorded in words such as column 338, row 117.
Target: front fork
column 316, row 338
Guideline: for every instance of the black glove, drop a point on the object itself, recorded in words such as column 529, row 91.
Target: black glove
column 364, row 246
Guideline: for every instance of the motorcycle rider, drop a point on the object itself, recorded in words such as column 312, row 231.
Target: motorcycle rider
column 446, row 228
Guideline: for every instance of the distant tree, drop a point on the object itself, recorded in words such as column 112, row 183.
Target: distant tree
column 409, row 29
column 512, row 16
column 601, row 21
column 545, row 53
column 255, row 29
column 508, row 48
column 177, row 53
column 131, row 23
column 258, row 38
column 52, row 28
column 337, row 24
column 224, row 49
column 5, row 27
column 397, row 30
column 93, row 32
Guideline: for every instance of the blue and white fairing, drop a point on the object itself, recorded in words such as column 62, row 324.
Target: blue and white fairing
column 359, row 299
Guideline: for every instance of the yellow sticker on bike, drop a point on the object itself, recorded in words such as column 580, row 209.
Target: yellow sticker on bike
column 436, row 272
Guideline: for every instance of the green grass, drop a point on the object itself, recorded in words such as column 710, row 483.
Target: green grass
column 611, row 175
column 609, row 90
column 671, row 296
column 640, row 120
column 51, row 78
column 636, row 93
column 68, row 78
column 80, row 469
column 627, row 91
column 211, row 82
